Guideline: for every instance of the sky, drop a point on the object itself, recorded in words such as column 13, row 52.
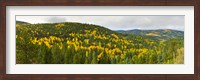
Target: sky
column 115, row 22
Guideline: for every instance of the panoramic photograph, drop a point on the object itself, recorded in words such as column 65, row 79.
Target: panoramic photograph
column 123, row 39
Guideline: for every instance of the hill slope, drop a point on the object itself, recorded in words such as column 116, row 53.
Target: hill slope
column 21, row 22
column 63, row 29
column 157, row 34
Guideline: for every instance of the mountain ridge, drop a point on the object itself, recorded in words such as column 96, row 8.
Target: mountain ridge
column 159, row 33
column 156, row 34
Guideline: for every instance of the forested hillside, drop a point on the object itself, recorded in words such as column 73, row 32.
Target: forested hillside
column 158, row 34
column 77, row 43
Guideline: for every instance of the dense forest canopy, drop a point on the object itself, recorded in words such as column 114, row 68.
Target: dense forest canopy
column 77, row 43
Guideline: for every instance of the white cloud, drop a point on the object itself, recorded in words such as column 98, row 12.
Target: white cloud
column 55, row 19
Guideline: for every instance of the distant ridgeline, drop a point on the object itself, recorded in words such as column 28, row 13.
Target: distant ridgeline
column 77, row 43
column 157, row 34
column 21, row 22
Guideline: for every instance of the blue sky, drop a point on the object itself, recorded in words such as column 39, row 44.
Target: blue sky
column 115, row 22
